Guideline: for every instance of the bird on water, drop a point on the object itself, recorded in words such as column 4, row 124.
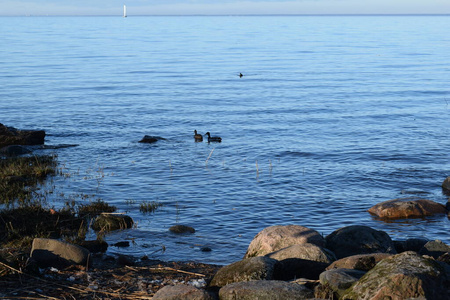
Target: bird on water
column 240, row 75
column 197, row 136
column 213, row 138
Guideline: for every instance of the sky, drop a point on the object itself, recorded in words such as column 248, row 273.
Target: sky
column 221, row 7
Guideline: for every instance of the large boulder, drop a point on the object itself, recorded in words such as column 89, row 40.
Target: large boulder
column 402, row 276
column 254, row 268
column 181, row 291
column 13, row 136
column 356, row 239
column 407, row 208
column 277, row 237
column 265, row 290
column 362, row 262
column 55, row 253
column 304, row 251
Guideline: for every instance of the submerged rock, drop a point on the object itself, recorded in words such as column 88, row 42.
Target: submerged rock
column 151, row 139
column 277, row 237
column 407, row 208
column 14, row 150
column 181, row 229
column 110, row 222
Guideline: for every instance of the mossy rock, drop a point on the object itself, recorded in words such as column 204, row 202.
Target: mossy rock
column 111, row 222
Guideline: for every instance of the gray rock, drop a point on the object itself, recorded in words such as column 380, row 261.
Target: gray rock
column 362, row 262
column 110, row 222
column 304, row 251
column 55, row 253
column 265, row 290
column 254, row 268
column 277, row 237
column 352, row 240
column 181, row 291
column 402, row 276
column 435, row 248
column 340, row 279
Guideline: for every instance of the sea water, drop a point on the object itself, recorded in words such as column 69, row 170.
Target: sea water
column 333, row 115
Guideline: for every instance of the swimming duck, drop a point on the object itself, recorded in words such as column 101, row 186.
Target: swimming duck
column 197, row 136
column 213, row 138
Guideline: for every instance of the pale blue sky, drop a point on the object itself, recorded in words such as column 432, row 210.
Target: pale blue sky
column 222, row 7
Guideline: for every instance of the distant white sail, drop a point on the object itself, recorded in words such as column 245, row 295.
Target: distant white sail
column 124, row 11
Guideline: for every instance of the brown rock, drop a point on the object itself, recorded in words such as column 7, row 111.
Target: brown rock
column 363, row 262
column 407, row 208
column 446, row 184
column 304, row 251
column 277, row 237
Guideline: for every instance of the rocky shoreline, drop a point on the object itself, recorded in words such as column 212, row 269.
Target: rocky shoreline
column 282, row 261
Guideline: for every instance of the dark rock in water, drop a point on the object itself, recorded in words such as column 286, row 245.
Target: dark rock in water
column 14, row 150
column 122, row 244
column 55, row 253
column 13, row 136
column 205, row 249
column 151, row 139
column 95, row 246
column 446, row 185
column 60, row 146
column 110, row 222
column 181, row 229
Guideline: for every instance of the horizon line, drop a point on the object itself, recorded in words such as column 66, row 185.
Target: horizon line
column 230, row 15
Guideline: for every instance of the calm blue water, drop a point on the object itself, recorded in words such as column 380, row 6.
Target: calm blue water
column 333, row 115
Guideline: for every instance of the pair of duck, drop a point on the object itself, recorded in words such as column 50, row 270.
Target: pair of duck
column 198, row 137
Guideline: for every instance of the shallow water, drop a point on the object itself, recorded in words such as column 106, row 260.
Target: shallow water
column 333, row 115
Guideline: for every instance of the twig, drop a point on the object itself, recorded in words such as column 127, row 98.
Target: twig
column 206, row 162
